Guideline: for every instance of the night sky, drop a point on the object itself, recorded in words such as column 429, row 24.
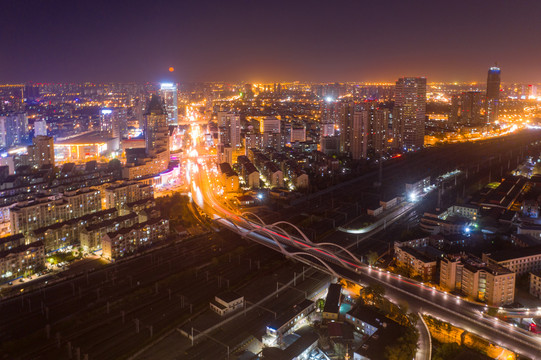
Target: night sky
column 260, row 40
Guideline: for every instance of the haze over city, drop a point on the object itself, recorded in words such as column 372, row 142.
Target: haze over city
column 254, row 41
column 285, row 180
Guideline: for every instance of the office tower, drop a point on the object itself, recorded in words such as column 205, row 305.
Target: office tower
column 169, row 94
column 113, row 122
column 410, row 109
column 466, row 109
column 40, row 128
column 42, row 151
column 493, row 94
column 270, row 124
column 13, row 129
column 156, row 128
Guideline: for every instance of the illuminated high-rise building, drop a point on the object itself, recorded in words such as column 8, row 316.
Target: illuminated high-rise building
column 229, row 126
column 42, row 151
column 466, row 109
column 410, row 110
column 493, row 94
column 359, row 135
column 156, row 128
column 113, row 122
column 40, row 127
column 13, row 129
column 169, row 93
column 345, row 126
column 270, row 124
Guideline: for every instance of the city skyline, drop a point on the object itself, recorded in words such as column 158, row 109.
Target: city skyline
column 316, row 41
column 206, row 180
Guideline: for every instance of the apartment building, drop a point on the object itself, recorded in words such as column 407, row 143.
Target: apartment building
column 21, row 260
column 477, row 279
column 520, row 261
column 120, row 193
column 128, row 240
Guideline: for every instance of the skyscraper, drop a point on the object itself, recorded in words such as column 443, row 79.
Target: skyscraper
column 345, row 126
column 229, row 126
column 156, row 128
column 410, row 109
column 169, row 93
column 493, row 94
column 114, row 122
column 466, row 109
column 359, row 135
column 13, row 129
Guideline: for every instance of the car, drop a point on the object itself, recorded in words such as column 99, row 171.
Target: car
column 21, row 280
column 10, row 283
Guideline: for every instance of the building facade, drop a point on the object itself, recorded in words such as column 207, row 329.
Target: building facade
column 410, row 110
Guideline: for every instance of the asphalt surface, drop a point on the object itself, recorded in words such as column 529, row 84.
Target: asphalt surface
column 419, row 297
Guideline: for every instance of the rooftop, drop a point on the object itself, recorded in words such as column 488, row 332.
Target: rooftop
column 332, row 303
column 505, row 255
column 228, row 296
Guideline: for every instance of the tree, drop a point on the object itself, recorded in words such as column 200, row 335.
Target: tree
column 372, row 258
column 374, row 294
column 320, row 304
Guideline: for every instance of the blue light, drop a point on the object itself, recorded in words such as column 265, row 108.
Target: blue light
column 467, row 229
column 167, row 86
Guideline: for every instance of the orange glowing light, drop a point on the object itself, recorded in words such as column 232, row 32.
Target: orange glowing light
column 171, row 69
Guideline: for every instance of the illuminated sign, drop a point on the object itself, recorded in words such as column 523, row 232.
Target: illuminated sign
column 106, row 111
column 168, row 86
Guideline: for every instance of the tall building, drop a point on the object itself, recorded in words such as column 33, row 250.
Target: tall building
column 40, row 127
column 378, row 126
column 42, row 151
column 229, row 128
column 270, row 124
column 13, row 129
column 345, row 125
column 493, row 94
column 114, row 122
column 156, row 128
column 359, row 135
column 466, row 109
column 169, row 93
column 410, row 109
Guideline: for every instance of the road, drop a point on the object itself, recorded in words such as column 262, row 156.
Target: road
column 420, row 297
